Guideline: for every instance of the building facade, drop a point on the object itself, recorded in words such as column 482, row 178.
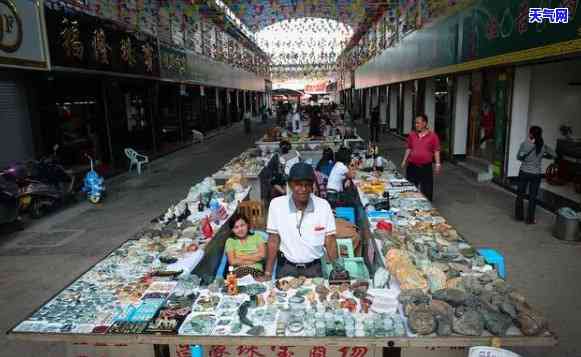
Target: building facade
column 482, row 73
column 97, row 78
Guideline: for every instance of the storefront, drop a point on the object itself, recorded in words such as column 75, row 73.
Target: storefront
column 443, row 114
column 117, row 109
column 192, row 111
column 170, row 128
column 223, row 106
column 73, row 116
column 490, row 96
column 233, row 106
column 23, row 57
column 555, row 109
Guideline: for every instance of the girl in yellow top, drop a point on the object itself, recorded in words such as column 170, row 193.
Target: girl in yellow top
column 245, row 250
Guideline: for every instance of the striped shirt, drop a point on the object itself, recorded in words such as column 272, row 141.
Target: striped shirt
column 531, row 161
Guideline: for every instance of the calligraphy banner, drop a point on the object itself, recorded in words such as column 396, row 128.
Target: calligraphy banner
column 275, row 351
column 83, row 41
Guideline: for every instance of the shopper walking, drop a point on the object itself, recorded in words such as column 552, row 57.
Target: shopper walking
column 531, row 154
column 297, row 124
column 374, row 125
column 247, row 121
column 423, row 146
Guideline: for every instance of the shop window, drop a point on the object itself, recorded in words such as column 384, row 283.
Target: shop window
column 168, row 126
column 138, row 121
column 72, row 117
column 192, row 112
column 488, row 115
column 77, row 128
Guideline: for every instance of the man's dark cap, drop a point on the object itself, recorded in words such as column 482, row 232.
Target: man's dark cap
column 301, row 171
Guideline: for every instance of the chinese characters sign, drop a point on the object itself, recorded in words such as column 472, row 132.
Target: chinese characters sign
column 82, row 41
column 553, row 16
column 279, row 351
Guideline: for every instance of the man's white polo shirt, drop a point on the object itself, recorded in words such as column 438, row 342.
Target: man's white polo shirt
column 301, row 240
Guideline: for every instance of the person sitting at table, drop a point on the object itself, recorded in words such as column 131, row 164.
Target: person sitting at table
column 322, row 171
column 245, row 250
column 341, row 175
column 286, row 159
column 301, row 228
column 327, row 162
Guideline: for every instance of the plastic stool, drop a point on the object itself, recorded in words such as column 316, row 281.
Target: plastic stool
column 347, row 213
column 494, row 258
column 197, row 351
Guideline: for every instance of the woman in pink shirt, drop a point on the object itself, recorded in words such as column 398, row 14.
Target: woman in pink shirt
column 423, row 146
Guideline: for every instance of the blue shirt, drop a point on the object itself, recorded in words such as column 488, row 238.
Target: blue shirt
column 326, row 168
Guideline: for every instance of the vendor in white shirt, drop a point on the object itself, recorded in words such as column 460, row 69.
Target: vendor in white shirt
column 301, row 228
column 340, row 176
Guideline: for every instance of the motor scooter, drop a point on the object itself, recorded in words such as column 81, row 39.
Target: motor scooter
column 43, row 184
column 8, row 201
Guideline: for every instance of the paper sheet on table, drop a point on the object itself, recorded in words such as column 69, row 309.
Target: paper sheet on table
column 187, row 263
column 247, row 280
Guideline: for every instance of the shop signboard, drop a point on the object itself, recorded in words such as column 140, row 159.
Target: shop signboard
column 497, row 27
column 187, row 66
column 22, row 40
column 316, row 87
column 82, row 41
column 174, row 63
column 482, row 31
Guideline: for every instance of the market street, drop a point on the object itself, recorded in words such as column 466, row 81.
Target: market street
column 35, row 266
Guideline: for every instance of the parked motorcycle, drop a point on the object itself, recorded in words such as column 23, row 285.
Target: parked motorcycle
column 93, row 184
column 43, row 184
column 8, row 201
